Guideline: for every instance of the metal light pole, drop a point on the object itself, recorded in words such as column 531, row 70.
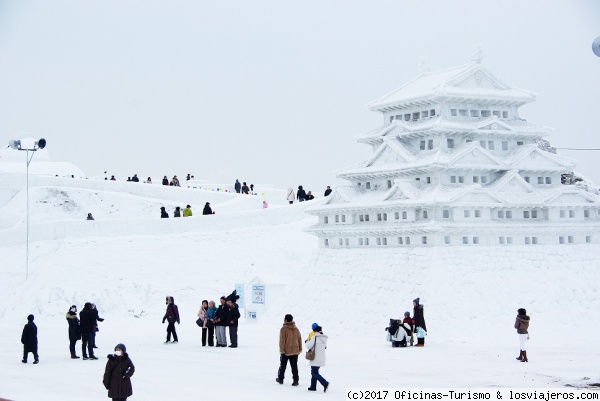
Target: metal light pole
column 17, row 145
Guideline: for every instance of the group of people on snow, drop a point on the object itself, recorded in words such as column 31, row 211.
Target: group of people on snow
column 402, row 332
column 214, row 321
column 301, row 195
column 187, row 212
column 243, row 188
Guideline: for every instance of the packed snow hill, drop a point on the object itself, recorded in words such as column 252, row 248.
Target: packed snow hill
column 128, row 260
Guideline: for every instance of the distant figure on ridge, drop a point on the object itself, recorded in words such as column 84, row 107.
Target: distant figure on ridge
column 207, row 209
column 163, row 213
column 149, row 180
column 112, row 178
column 291, row 195
column 175, row 181
column 135, row 178
column 89, row 217
column 301, row 194
column 188, row 177
column 165, row 180
column 309, row 196
column 187, row 212
column 245, row 189
column 30, row 341
column 328, row 191
column 265, row 204
column 177, row 212
column 237, row 186
column 251, row 187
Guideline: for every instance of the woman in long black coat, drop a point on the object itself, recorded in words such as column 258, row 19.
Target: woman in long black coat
column 74, row 330
column 29, row 340
column 419, row 318
column 117, row 375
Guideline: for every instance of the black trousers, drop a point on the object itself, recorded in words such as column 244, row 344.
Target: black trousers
column 283, row 359
column 211, row 336
column 171, row 329
column 87, row 341
column 72, row 346
column 34, row 352
column 233, row 335
column 204, row 331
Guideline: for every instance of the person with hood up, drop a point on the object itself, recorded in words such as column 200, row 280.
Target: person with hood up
column 290, row 346
column 318, row 342
column 187, row 212
column 207, row 210
column 522, row 326
column 172, row 316
column 89, row 217
column 87, row 324
column 74, row 330
column 291, row 196
column 301, row 194
column 177, row 212
column 30, row 341
column 419, row 318
column 117, row 374
column 163, row 213
column 237, row 186
column 233, row 316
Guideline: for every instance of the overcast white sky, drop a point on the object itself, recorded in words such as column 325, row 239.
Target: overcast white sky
column 272, row 91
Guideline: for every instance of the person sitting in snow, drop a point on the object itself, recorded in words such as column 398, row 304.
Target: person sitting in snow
column 177, row 212
column 89, row 217
column 163, row 213
column 187, row 212
column 207, row 209
column 397, row 333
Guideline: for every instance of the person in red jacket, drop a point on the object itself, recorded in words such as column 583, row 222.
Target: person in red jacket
column 411, row 323
column 172, row 316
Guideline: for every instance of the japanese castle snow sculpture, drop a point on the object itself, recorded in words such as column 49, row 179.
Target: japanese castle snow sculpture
column 454, row 164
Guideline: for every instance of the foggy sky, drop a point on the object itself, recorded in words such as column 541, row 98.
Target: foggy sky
column 272, row 92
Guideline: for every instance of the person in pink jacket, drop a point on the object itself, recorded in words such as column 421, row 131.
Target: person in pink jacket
column 202, row 316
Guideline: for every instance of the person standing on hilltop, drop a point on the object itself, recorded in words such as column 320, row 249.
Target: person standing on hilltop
column 301, row 194
column 291, row 196
column 165, row 181
column 237, row 186
column 245, row 189
column 328, row 191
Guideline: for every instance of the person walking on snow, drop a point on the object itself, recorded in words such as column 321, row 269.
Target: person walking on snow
column 74, row 330
column 290, row 346
column 318, row 342
column 237, row 186
column 522, row 326
column 187, row 212
column 30, row 341
column 117, row 374
column 419, row 318
column 172, row 316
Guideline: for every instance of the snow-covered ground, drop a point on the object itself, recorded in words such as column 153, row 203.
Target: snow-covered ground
column 128, row 260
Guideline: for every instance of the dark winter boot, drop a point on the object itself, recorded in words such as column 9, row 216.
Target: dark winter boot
column 520, row 357
column 278, row 380
column 295, row 383
column 36, row 361
column 420, row 342
column 524, row 359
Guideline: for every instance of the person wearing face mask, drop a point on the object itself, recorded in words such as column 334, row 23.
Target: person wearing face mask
column 117, row 374
column 74, row 330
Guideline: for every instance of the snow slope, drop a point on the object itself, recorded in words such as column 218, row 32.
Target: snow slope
column 128, row 260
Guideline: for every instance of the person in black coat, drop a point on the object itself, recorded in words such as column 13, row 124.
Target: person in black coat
column 233, row 316
column 328, row 191
column 301, row 194
column 207, row 209
column 165, row 181
column 172, row 316
column 117, row 374
column 419, row 320
column 30, row 341
column 87, row 324
column 221, row 322
column 74, row 330
column 163, row 213
column 96, row 328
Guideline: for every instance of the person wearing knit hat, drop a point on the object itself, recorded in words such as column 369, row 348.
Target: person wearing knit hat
column 30, row 341
column 314, row 327
column 233, row 316
column 117, row 374
column 318, row 343
column 74, row 330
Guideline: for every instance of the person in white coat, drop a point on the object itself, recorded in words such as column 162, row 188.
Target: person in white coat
column 291, row 195
column 318, row 341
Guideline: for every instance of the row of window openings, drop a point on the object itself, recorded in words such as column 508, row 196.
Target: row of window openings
column 502, row 214
column 465, row 240
column 478, row 113
column 491, row 145
column 540, row 180
column 414, row 116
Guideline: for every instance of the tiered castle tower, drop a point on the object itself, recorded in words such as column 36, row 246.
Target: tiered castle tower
column 454, row 164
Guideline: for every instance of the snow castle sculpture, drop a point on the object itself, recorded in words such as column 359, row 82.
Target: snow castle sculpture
column 454, row 164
